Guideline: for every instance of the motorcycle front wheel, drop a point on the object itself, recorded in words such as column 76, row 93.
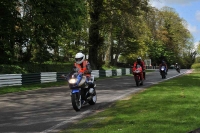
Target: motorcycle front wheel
column 76, row 101
column 163, row 75
column 137, row 80
column 94, row 98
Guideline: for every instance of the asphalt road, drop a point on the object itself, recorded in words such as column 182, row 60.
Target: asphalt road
column 49, row 110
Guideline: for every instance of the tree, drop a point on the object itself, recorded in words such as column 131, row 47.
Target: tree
column 36, row 26
column 169, row 30
column 9, row 23
column 95, row 40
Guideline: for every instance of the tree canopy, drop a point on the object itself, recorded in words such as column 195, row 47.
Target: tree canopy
column 107, row 31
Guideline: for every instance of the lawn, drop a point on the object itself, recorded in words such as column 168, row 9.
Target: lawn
column 172, row 106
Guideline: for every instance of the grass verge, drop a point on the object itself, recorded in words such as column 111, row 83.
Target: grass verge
column 12, row 89
column 168, row 107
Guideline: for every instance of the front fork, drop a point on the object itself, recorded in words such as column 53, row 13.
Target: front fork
column 77, row 91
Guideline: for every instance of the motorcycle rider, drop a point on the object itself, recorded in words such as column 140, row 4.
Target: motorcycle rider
column 176, row 65
column 82, row 66
column 163, row 63
column 142, row 64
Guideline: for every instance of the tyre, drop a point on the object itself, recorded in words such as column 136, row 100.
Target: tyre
column 76, row 101
column 93, row 99
column 137, row 80
column 141, row 83
column 163, row 75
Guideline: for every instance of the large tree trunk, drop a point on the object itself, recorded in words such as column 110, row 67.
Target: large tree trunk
column 94, row 37
column 109, row 47
column 109, row 42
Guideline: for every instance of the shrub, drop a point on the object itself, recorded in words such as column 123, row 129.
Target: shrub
column 34, row 68
column 196, row 66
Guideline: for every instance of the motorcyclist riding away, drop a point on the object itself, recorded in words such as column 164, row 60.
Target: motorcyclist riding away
column 176, row 65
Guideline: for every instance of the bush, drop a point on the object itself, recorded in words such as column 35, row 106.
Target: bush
column 196, row 66
column 12, row 69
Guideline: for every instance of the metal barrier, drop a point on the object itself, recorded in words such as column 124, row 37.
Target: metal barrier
column 45, row 77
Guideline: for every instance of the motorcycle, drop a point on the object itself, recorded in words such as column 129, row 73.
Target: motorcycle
column 178, row 69
column 137, row 72
column 82, row 90
column 163, row 72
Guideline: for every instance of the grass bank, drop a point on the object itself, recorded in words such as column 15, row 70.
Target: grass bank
column 168, row 107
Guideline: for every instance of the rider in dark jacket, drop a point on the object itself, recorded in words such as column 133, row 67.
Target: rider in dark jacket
column 163, row 63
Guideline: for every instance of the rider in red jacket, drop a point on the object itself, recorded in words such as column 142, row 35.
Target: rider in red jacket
column 142, row 64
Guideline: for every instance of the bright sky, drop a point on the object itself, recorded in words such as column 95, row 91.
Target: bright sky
column 189, row 10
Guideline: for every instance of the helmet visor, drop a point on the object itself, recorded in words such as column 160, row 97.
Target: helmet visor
column 78, row 59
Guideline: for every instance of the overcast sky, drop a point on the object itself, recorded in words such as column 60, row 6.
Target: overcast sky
column 189, row 10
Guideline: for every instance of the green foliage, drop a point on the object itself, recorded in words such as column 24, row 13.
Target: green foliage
column 35, row 68
column 197, row 59
column 109, row 68
column 99, row 28
column 12, row 69
column 196, row 66
column 26, row 37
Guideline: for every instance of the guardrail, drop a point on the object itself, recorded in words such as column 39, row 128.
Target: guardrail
column 45, row 77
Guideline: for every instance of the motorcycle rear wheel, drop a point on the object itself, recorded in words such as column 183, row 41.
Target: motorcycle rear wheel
column 76, row 101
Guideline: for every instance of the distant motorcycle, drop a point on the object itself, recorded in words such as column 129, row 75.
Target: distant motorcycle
column 82, row 90
column 137, row 75
column 163, row 72
column 178, row 69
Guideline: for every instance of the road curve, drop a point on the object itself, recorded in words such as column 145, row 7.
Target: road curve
column 49, row 110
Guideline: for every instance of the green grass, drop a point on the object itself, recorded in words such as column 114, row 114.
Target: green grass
column 12, row 89
column 172, row 106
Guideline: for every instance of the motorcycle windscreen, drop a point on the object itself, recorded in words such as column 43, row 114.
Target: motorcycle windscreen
column 138, row 66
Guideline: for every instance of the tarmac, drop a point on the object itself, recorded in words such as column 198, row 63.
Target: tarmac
column 195, row 131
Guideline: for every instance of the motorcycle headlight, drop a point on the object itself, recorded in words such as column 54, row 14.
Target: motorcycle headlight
column 72, row 81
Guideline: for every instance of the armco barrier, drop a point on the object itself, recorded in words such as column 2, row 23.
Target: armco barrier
column 10, row 79
column 44, row 77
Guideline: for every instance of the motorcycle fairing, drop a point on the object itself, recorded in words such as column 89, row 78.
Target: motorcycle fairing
column 163, row 68
column 75, row 90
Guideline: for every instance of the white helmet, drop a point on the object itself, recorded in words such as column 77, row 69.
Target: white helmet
column 139, row 59
column 79, row 57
